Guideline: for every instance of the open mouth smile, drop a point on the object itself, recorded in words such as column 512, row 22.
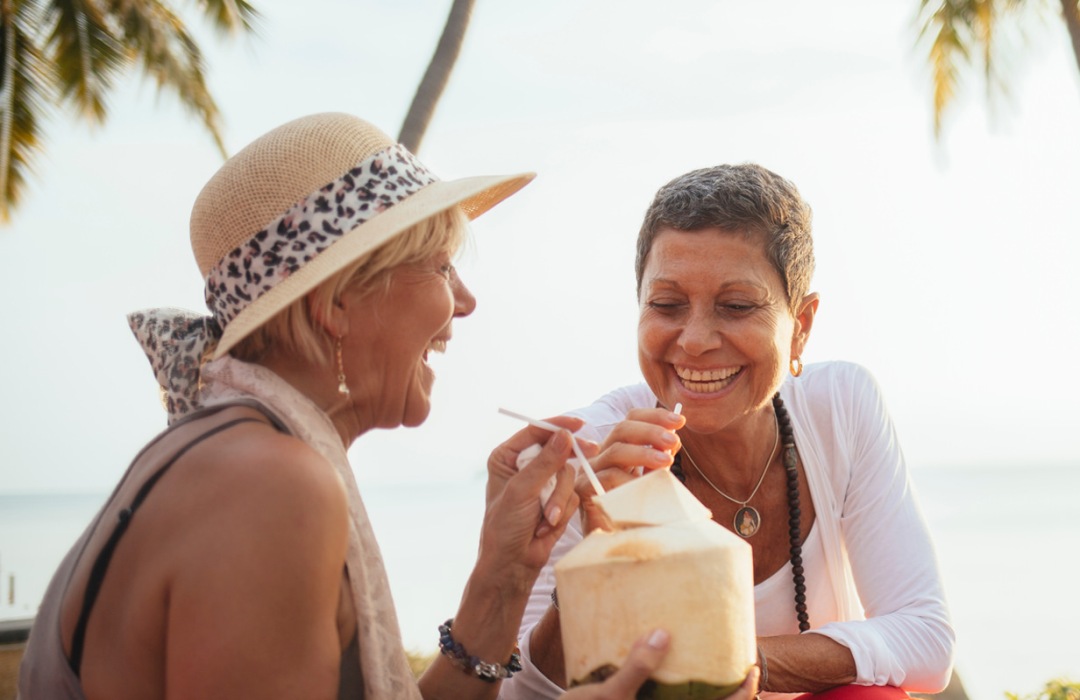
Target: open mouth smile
column 706, row 381
column 436, row 345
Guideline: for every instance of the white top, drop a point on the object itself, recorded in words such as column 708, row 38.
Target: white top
column 871, row 573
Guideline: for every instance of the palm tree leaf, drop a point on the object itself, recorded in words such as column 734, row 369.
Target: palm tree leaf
column 158, row 40
column 1070, row 12
column 231, row 16
column 87, row 55
column 26, row 91
column 947, row 24
column 966, row 31
column 983, row 19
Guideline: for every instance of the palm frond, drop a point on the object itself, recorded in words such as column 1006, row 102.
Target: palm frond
column 26, row 91
column 86, row 53
column 231, row 16
column 982, row 23
column 947, row 24
column 965, row 32
column 157, row 39
column 996, row 22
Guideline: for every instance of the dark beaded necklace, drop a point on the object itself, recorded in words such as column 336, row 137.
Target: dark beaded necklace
column 791, row 461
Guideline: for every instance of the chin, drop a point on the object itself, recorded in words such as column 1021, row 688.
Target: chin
column 416, row 413
column 414, row 421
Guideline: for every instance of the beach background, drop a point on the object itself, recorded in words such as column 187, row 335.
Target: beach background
column 1010, row 577
column 949, row 268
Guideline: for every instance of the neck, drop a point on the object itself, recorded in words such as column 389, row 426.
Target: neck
column 320, row 384
column 734, row 456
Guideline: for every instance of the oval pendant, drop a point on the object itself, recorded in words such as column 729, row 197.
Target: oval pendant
column 747, row 522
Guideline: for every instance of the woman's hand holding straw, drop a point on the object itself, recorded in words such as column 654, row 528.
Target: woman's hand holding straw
column 577, row 448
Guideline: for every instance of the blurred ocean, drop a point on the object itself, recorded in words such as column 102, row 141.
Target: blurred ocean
column 1008, row 541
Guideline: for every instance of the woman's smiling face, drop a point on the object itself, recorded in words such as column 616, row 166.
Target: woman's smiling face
column 394, row 331
column 715, row 329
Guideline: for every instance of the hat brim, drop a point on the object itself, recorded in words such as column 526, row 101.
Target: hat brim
column 475, row 195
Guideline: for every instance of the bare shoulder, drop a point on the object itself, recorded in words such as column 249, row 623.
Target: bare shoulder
column 257, row 452
column 257, row 554
column 252, row 482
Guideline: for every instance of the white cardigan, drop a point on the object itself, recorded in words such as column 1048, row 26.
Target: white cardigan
column 870, row 548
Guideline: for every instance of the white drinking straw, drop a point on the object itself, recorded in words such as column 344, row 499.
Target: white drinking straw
column 577, row 449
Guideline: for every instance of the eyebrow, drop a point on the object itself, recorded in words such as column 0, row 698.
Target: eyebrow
column 663, row 281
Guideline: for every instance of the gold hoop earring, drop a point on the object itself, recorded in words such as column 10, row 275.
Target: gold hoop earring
column 342, row 387
column 795, row 365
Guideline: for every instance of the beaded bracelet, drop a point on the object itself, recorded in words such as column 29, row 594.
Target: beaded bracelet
column 485, row 671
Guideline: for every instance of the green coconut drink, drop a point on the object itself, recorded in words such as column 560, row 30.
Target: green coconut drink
column 666, row 564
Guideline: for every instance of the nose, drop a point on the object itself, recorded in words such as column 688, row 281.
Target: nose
column 464, row 301
column 700, row 334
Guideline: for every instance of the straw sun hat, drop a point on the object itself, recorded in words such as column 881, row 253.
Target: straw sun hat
column 294, row 163
column 283, row 215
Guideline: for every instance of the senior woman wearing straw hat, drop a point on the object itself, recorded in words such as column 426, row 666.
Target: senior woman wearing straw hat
column 235, row 558
column 801, row 461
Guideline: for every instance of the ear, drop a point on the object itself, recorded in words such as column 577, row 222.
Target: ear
column 334, row 321
column 804, row 321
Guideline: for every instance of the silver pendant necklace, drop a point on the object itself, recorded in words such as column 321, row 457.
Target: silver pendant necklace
column 747, row 519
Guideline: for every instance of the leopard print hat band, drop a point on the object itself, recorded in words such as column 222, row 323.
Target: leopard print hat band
column 311, row 226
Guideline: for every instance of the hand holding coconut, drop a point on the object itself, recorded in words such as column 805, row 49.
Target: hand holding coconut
column 644, row 659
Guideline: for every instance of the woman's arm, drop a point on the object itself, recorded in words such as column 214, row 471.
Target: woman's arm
column 907, row 639
column 803, row 663
column 515, row 542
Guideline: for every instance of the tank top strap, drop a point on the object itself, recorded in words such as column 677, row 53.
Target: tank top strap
column 101, row 563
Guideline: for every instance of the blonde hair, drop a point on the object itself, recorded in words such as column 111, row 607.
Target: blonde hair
column 296, row 330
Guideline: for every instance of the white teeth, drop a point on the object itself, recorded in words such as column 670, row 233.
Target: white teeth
column 711, row 375
column 706, row 381
column 437, row 346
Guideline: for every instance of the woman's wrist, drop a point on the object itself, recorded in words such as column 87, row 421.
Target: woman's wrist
column 490, row 613
column 510, row 579
column 487, row 671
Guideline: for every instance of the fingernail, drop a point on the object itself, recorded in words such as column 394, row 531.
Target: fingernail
column 543, row 529
column 659, row 457
column 560, row 440
column 658, row 639
column 668, row 439
column 553, row 515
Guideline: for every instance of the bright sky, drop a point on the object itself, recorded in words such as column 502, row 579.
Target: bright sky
column 947, row 269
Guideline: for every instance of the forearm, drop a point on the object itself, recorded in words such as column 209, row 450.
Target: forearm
column 545, row 645
column 486, row 625
column 804, row 663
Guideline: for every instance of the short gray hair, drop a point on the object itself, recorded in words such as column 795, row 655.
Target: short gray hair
column 743, row 198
